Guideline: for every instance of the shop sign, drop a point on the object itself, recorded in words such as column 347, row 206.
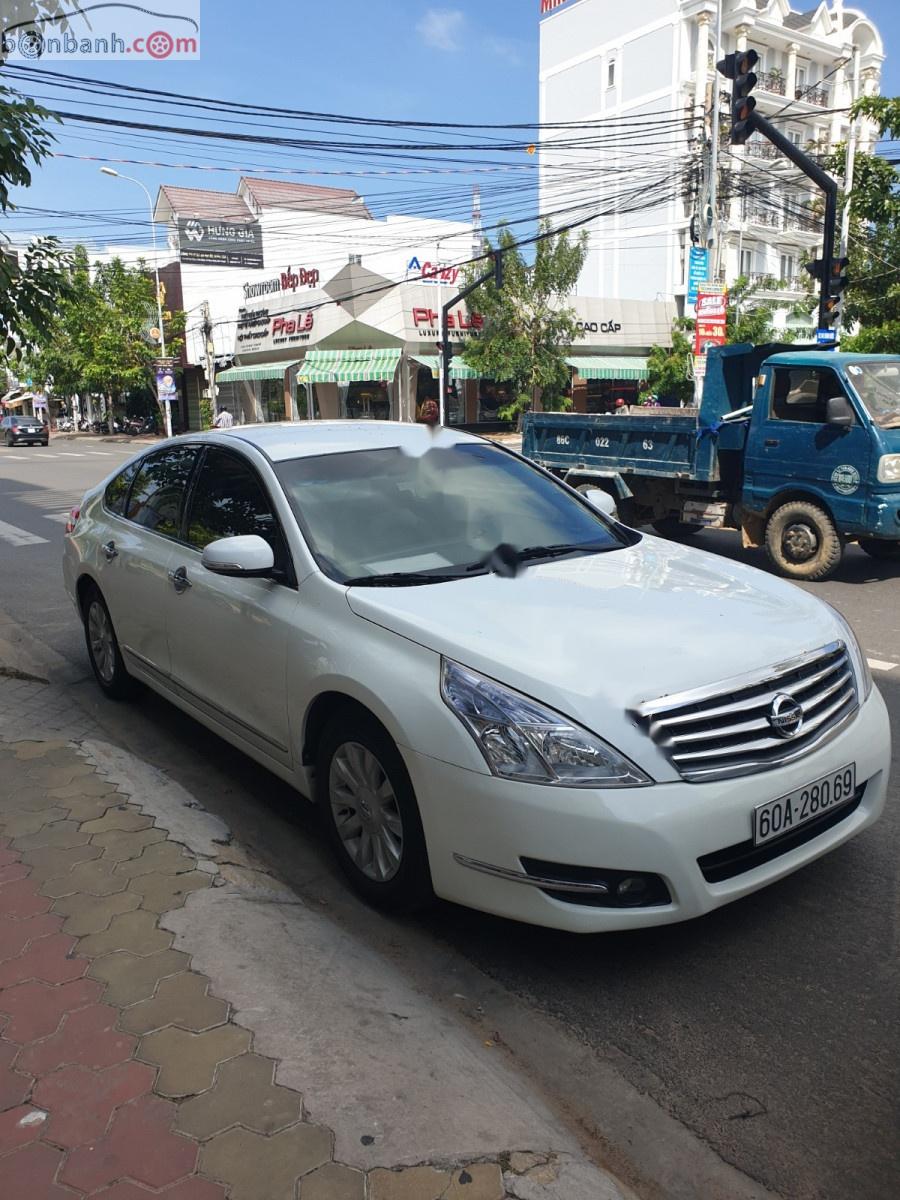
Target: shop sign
column 598, row 326
column 429, row 272
column 287, row 281
column 461, row 322
column 711, row 315
column 290, row 328
column 698, row 269
column 549, row 6
column 220, row 243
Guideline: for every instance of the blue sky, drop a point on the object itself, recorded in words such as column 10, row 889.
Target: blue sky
column 457, row 60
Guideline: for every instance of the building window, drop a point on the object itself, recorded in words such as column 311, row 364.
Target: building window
column 611, row 73
column 787, row 266
column 802, row 76
column 746, row 263
column 796, row 136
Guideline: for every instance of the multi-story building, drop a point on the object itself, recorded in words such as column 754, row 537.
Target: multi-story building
column 645, row 73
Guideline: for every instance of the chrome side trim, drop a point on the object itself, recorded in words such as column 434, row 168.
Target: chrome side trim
column 173, row 685
column 554, row 885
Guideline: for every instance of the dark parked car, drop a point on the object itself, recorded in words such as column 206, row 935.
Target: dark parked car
column 24, row 429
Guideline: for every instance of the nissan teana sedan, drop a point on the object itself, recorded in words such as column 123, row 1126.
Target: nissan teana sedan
column 493, row 691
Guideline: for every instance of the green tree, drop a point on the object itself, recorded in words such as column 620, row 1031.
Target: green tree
column 528, row 327
column 670, row 368
column 100, row 339
column 749, row 316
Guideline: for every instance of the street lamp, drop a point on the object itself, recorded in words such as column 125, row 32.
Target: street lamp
column 159, row 311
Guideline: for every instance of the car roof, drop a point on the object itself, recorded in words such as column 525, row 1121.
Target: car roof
column 822, row 358
column 284, row 440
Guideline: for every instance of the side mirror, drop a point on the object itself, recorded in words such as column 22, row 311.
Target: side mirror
column 244, row 557
column 838, row 411
column 602, row 501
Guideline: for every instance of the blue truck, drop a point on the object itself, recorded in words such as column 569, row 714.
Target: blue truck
column 798, row 449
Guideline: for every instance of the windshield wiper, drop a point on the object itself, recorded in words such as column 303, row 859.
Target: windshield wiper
column 506, row 560
column 401, row 579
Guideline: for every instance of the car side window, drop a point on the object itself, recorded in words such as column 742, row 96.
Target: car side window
column 800, row 393
column 157, row 494
column 116, row 495
column 228, row 500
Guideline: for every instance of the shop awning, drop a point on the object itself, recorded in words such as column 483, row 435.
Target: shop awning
column 348, row 366
column 598, row 366
column 269, row 370
column 458, row 368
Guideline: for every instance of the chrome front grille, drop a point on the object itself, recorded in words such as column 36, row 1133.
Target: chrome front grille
column 727, row 729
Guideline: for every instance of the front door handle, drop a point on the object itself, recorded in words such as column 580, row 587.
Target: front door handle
column 179, row 579
column 771, row 442
column 109, row 549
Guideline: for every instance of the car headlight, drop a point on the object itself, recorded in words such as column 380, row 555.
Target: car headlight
column 857, row 657
column 889, row 468
column 522, row 740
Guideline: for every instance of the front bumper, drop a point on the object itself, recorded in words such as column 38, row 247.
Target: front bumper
column 884, row 515
column 660, row 830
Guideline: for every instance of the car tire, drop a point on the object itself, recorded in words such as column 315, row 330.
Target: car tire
column 671, row 527
column 103, row 648
column 10, row 440
column 368, row 806
column 802, row 541
column 881, row 548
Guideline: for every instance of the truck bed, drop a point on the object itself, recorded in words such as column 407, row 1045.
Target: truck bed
column 662, row 442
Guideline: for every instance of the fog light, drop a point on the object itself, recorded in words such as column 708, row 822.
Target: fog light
column 631, row 890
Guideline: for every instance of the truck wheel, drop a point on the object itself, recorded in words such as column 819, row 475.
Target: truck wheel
column 884, row 548
column 671, row 527
column 802, row 542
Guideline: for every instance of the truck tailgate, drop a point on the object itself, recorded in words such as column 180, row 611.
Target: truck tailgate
column 652, row 441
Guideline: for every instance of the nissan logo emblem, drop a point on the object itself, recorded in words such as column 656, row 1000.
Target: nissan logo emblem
column 786, row 716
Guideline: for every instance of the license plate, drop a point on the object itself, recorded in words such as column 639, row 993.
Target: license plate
column 777, row 817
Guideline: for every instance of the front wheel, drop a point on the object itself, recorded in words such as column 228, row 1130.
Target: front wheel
column 103, row 648
column 367, row 802
column 802, row 541
column 882, row 548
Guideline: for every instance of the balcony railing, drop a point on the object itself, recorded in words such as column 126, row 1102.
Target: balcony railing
column 775, row 219
column 762, row 216
column 759, row 149
column 817, row 96
column 772, row 81
column 793, row 283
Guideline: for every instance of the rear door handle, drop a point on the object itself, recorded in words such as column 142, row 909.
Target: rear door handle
column 109, row 549
column 771, row 442
column 179, row 579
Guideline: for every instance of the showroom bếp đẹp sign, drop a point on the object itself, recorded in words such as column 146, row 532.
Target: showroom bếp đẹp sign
column 287, row 281
column 220, row 243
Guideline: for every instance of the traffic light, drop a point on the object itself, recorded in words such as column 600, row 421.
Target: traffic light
column 816, row 269
column 837, row 285
column 738, row 68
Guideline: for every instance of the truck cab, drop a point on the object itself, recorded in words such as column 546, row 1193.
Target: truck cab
column 821, row 462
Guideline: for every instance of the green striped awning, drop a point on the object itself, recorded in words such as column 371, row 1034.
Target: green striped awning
column 348, row 366
column 599, row 366
column 269, row 370
column 458, row 368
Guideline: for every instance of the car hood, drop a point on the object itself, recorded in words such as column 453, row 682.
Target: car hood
column 596, row 635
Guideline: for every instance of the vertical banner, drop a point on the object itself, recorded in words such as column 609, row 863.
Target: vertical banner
column 698, row 270
column 710, row 319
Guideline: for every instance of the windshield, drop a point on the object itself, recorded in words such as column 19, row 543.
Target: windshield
column 371, row 513
column 877, row 383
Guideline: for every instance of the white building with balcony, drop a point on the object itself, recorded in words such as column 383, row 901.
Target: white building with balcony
column 645, row 72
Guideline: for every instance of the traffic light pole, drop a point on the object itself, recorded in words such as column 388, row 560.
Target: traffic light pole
column 758, row 124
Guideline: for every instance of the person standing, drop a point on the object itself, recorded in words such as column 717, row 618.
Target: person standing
column 224, row 420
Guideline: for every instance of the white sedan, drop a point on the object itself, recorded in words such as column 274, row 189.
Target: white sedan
column 493, row 691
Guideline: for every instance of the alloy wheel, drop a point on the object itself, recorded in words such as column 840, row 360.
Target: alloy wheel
column 799, row 542
column 102, row 642
column 365, row 812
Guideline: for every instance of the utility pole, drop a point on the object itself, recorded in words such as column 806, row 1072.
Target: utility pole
column 849, row 165
column 210, row 349
column 495, row 273
column 712, row 231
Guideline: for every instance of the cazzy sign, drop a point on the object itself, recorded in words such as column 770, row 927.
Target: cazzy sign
column 287, row 281
column 429, row 272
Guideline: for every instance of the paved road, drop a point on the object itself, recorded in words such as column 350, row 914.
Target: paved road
column 769, row 1029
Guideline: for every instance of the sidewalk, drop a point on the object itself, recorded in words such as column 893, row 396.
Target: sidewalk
column 163, row 1002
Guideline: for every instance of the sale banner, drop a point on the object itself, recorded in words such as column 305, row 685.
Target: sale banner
column 710, row 320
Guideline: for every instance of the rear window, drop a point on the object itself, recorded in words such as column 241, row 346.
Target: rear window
column 116, row 494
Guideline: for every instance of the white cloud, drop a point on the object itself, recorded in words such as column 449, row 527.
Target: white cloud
column 442, row 28
column 507, row 48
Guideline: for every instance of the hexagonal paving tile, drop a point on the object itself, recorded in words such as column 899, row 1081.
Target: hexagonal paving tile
column 409, row 1183
column 241, row 1159
column 21, row 898
column 90, row 914
column 97, row 878
column 180, row 1000
column 47, row 959
column 46, row 862
column 31, row 1171
column 139, row 1145
column 131, row 977
column 17, row 824
column 244, row 1094
column 163, row 893
column 333, row 1182
column 121, row 844
column 187, row 1061
column 58, row 834
column 123, row 817
column 192, row 1188
column 85, row 1038
column 169, row 858
column 36, row 1009
column 135, row 931
column 16, row 935
column 80, row 1102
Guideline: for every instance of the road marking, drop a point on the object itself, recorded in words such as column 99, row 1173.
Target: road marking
column 61, row 517
column 17, row 457
column 69, row 454
column 19, row 537
column 878, row 664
